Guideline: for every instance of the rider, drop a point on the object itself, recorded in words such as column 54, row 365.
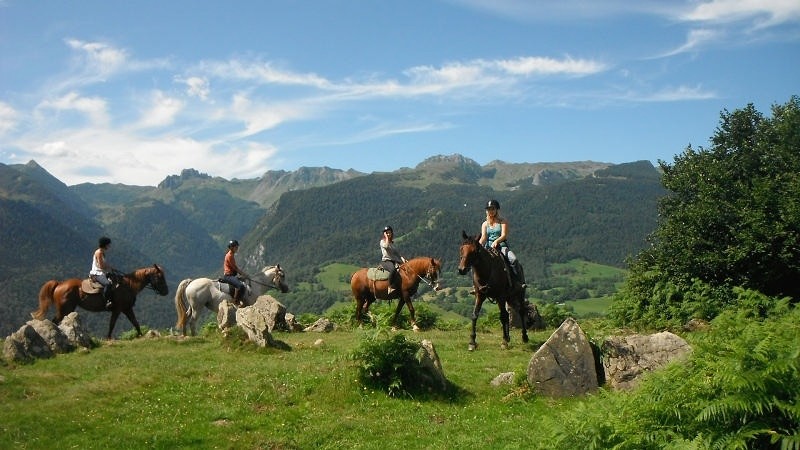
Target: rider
column 494, row 234
column 230, row 270
column 391, row 259
column 102, row 271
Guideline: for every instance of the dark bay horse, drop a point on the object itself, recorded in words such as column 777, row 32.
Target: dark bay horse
column 66, row 295
column 365, row 291
column 491, row 279
column 194, row 294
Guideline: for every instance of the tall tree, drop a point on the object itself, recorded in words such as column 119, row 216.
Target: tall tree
column 731, row 218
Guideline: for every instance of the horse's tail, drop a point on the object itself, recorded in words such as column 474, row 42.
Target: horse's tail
column 45, row 299
column 180, row 303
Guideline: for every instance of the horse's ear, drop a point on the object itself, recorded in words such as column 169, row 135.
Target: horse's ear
column 464, row 235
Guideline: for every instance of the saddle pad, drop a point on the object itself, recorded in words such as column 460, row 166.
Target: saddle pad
column 90, row 286
column 377, row 274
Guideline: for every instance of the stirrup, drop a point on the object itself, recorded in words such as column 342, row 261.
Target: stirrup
column 389, row 290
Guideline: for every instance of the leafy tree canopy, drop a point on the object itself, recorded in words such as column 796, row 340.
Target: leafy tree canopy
column 731, row 218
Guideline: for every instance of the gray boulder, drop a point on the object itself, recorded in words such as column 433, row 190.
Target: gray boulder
column 76, row 331
column 26, row 345
column 627, row 358
column 564, row 365
column 429, row 360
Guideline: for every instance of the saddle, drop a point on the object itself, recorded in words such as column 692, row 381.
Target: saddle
column 377, row 274
column 89, row 286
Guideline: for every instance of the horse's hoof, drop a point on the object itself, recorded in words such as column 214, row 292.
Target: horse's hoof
column 472, row 347
column 395, row 329
column 525, row 339
column 504, row 346
column 415, row 328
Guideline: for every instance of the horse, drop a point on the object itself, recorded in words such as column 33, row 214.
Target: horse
column 68, row 294
column 193, row 294
column 491, row 279
column 365, row 291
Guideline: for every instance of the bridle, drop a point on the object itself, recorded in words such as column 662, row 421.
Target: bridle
column 431, row 277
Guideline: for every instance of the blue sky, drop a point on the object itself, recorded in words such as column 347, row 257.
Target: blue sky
column 133, row 91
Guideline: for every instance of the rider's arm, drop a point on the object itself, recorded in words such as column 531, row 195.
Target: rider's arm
column 503, row 234
column 484, row 236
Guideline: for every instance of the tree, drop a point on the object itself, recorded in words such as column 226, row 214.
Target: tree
column 731, row 218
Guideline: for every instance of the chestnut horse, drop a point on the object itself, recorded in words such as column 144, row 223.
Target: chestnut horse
column 365, row 291
column 66, row 295
column 194, row 294
column 491, row 279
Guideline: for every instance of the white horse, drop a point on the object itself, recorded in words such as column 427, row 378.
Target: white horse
column 193, row 294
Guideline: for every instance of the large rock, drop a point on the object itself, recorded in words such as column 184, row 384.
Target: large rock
column 627, row 358
column 429, row 360
column 25, row 345
column 76, row 331
column 322, row 325
column 52, row 335
column 256, row 323
column 564, row 365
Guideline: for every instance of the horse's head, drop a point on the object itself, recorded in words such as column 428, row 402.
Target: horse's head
column 467, row 252
column 276, row 278
column 158, row 280
column 432, row 273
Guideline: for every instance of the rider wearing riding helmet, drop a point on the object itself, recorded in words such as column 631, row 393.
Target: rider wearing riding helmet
column 230, row 270
column 391, row 259
column 494, row 234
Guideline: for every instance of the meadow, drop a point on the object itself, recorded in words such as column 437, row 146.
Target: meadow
column 205, row 392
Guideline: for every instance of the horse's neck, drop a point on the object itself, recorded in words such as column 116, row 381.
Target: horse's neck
column 487, row 261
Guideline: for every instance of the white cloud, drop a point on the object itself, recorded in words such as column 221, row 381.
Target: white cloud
column 196, row 87
column 762, row 13
column 8, row 117
column 162, row 111
column 97, row 57
column 92, row 107
column 695, row 40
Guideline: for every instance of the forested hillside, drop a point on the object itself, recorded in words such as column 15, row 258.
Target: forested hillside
column 558, row 211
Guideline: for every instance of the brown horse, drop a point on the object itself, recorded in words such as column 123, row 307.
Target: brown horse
column 491, row 279
column 365, row 291
column 66, row 295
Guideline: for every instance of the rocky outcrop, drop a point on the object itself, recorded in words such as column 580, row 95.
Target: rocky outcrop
column 44, row 339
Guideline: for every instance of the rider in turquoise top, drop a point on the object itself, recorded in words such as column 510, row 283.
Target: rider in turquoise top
column 494, row 234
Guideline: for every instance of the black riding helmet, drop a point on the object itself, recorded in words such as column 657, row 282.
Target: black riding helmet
column 233, row 243
column 387, row 228
column 493, row 204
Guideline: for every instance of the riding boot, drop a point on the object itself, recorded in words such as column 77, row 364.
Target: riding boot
column 107, row 295
column 235, row 296
column 519, row 275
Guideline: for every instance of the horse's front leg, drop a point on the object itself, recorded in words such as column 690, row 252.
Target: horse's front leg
column 132, row 317
column 504, row 320
column 412, row 314
column 476, row 310
column 112, row 323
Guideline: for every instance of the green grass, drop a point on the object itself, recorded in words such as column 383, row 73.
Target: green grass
column 197, row 393
column 332, row 275
column 591, row 307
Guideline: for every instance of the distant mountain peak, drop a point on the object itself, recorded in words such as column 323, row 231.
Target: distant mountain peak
column 174, row 181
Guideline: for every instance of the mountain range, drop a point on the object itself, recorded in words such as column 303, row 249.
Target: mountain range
column 309, row 218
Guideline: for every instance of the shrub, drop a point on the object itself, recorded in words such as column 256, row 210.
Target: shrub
column 391, row 365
